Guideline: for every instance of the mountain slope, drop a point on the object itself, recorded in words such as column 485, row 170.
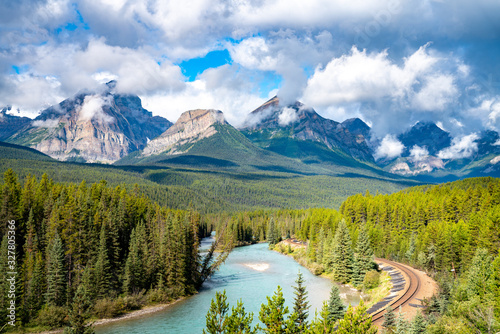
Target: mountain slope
column 92, row 127
column 425, row 134
column 10, row 124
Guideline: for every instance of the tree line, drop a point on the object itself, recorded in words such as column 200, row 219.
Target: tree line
column 94, row 250
column 450, row 230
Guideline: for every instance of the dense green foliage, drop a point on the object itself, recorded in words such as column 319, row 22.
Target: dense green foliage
column 82, row 245
column 200, row 180
column 276, row 318
column 451, row 230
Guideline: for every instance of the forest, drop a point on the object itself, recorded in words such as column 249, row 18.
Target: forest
column 91, row 250
column 452, row 231
column 95, row 250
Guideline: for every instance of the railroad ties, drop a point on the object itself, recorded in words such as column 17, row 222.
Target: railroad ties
column 399, row 283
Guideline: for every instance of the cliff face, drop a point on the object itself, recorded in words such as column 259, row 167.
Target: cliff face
column 300, row 122
column 192, row 126
column 100, row 127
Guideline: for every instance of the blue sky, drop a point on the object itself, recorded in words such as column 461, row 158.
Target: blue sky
column 392, row 63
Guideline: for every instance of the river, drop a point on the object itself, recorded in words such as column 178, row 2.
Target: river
column 250, row 273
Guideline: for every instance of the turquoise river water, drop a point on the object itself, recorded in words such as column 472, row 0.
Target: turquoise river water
column 250, row 273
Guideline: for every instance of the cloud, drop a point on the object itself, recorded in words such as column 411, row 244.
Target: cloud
column 461, row 147
column 418, row 153
column 389, row 148
column 48, row 123
column 287, row 116
column 424, row 85
column 223, row 88
column 92, row 109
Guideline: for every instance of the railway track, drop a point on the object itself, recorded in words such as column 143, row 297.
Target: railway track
column 411, row 289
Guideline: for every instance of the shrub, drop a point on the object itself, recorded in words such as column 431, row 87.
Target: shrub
column 52, row 316
column 372, row 279
column 106, row 308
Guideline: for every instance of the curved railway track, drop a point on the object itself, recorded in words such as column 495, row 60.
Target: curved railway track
column 412, row 288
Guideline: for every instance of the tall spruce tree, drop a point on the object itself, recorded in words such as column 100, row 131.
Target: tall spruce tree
column 79, row 313
column 336, row 308
column 273, row 315
column 364, row 253
column 56, row 273
column 342, row 254
column 102, row 268
column 216, row 318
column 389, row 318
column 301, row 305
column 356, row 320
column 418, row 324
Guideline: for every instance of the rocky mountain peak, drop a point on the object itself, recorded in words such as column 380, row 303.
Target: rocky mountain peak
column 357, row 127
column 192, row 125
column 425, row 134
column 300, row 122
column 93, row 126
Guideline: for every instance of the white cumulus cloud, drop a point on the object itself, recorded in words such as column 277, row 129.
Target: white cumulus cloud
column 287, row 116
column 389, row 148
column 461, row 147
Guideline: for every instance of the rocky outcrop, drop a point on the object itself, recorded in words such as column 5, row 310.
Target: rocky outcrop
column 10, row 124
column 303, row 123
column 192, row 126
column 425, row 134
column 93, row 127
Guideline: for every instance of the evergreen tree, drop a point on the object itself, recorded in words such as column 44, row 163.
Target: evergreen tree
column 79, row 313
column 272, row 233
column 301, row 305
column 336, row 309
column 240, row 322
column 357, row 276
column 401, row 326
column 478, row 276
column 56, row 274
column 273, row 314
column 4, row 284
column 364, row 253
column 356, row 321
column 342, row 254
column 216, row 319
column 418, row 324
column 321, row 324
column 34, row 293
column 389, row 318
column 102, row 267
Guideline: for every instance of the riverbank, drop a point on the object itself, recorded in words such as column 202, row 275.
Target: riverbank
column 297, row 250
column 145, row 311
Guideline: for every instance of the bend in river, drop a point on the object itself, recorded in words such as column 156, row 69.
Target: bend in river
column 250, row 273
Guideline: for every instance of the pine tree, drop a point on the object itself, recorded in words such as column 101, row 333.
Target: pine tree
column 342, row 254
column 478, row 276
column 102, row 268
column 273, row 314
column 135, row 272
column 364, row 253
column 240, row 322
column 4, row 284
column 321, row 324
column 79, row 313
column 401, row 326
column 418, row 324
column 301, row 305
column 356, row 321
column 336, row 308
column 216, row 319
column 389, row 318
column 357, row 276
column 34, row 294
column 56, row 274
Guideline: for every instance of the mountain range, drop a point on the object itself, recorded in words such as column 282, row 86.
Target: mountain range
column 109, row 127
